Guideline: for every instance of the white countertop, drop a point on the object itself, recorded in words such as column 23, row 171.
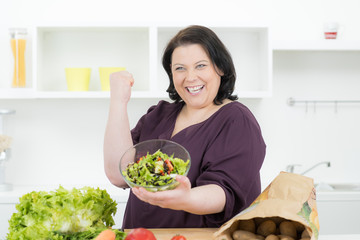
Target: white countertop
column 340, row 237
column 121, row 196
column 338, row 196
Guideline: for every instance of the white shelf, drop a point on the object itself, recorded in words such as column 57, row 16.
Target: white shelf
column 67, row 94
column 139, row 48
column 318, row 45
column 16, row 93
column 32, row 94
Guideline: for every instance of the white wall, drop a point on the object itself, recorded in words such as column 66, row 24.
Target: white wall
column 60, row 141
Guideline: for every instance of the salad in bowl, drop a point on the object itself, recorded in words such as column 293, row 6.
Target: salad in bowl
column 154, row 164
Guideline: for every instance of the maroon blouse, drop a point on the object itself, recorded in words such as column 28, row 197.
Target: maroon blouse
column 227, row 149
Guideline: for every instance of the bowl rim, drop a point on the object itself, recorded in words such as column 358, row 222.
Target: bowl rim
column 129, row 183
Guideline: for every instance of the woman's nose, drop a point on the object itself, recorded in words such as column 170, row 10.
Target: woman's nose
column 191, row 75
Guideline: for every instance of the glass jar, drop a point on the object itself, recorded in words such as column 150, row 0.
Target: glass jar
column 18, row 46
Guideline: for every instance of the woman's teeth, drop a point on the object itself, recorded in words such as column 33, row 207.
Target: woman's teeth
column 195, row 89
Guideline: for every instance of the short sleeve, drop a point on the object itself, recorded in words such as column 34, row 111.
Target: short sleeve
column 233, row 161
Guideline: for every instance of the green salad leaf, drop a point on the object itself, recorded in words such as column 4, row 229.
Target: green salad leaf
column 62, row 214
column 155, row 169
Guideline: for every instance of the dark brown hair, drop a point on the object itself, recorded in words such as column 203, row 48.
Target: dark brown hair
column 217, row 52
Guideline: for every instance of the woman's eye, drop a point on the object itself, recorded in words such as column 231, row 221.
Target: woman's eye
column 179, row 68
column 200, row 66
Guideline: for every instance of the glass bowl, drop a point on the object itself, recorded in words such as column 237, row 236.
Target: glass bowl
column 142, row 149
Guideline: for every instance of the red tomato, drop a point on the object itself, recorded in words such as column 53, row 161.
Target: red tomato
column 178, row 237
column 140, row 234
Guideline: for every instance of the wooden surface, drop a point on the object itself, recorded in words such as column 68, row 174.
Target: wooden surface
column 188, row 233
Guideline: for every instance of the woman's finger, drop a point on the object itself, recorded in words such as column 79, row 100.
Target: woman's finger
column 184, row 181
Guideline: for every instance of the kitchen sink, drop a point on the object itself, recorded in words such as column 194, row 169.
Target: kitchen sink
column 339, row 187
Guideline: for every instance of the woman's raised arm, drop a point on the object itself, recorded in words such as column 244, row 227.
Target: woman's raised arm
column 117, row 134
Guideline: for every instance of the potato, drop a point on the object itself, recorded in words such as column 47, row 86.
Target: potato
column 283, row 237
column 277, row 220
column 272, row 237
column 287, row 228
column 259, row 237
column 266, row 228
column 247, row 225
column 233, row 227
column 259, row 220
column 299, row 226
column 305, row 234
column 225, row 236
column 243, row 235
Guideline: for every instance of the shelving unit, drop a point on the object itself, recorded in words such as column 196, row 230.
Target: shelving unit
column 317, row 45
column 139, row 49
column 59, row 47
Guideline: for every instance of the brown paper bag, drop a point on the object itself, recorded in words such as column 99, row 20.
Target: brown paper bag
column 289, row 197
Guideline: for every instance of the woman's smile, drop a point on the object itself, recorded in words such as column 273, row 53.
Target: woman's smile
column 194, row 90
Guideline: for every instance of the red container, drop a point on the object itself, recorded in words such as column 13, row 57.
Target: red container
column 330, row 30
column 330, row 35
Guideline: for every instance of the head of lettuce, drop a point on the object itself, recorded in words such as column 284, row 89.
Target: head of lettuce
column 63, row 214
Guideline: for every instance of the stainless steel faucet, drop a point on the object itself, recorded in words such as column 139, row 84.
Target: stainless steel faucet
column 290, row 168
column 320, row 163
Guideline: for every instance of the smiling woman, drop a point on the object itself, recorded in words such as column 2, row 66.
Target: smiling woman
column 196, row 82
column 221, row 135
column 210, row 52
column 194, row 76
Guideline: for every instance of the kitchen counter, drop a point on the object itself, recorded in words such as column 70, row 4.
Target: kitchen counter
column 342, row 206
column 340, row 237
column 188, row 233
column 337, row 196
column 206, row 234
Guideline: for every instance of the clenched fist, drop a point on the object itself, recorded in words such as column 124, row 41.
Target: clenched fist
column 120, row 85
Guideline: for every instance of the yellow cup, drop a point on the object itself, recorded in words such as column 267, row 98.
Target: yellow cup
column 78, row 79
column 105, row 76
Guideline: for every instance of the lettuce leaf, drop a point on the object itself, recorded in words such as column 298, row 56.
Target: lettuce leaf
column 150, row 170
column 52, row 215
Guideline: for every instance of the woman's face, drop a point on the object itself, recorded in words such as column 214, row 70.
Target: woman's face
column 194, row 75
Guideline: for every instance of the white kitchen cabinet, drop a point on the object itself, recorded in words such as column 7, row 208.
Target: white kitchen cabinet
column 6, row 210
column 138, row 48
column 339, row 217
column 338, row 212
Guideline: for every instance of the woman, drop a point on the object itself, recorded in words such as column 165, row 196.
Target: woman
column 222, row 136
